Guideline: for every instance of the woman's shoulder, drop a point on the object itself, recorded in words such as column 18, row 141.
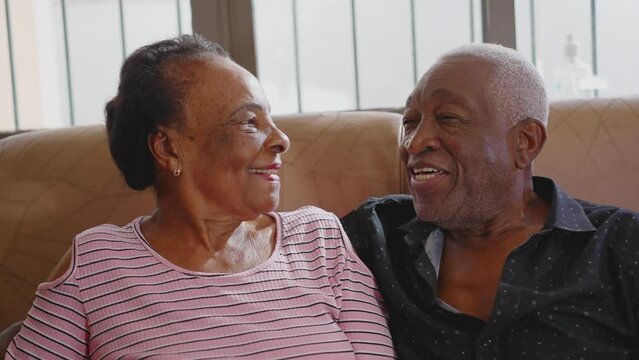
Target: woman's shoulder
column 307, row 210
column 306, row 215
column 109, row 232
column 89, row 243
column 310, row 226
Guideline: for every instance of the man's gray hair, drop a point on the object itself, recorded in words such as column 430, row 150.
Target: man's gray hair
column 515, row 88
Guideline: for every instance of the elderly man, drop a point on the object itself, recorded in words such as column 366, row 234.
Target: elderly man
column 485, row 261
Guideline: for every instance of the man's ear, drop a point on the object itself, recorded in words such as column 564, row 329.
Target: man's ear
column 531, row 137
column 164, row 148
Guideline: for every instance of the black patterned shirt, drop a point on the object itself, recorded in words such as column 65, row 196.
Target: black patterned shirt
column 570, row 291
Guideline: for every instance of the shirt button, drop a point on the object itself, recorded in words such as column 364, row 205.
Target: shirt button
column 486, row 343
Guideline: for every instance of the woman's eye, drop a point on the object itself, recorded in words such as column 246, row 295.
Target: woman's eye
column 252, row 122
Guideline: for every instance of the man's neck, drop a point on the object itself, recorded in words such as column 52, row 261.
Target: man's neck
column 473, row 258
column 524, row 215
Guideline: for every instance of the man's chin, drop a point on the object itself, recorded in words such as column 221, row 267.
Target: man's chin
column 429, row 215
column 436, row 215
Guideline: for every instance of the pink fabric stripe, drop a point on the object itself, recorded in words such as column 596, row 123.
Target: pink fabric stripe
column 313, row 297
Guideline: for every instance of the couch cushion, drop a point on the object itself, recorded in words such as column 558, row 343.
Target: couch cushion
column 337, row 160
column 592, row 150
column 57, row 183
column 53, row 183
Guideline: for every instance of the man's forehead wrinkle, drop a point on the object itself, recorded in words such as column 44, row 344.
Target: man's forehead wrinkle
column 409, row 100
column 442, row 94
column 449, row 96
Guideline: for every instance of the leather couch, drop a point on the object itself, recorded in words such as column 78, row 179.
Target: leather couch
column 56, row 183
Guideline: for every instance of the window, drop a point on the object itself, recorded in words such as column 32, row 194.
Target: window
column 60, row 59
column 317, row 55
column 576, row 45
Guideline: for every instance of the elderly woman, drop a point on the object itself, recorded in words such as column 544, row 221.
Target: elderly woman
column 213, row 272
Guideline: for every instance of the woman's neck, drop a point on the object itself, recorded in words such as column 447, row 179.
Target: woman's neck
column 210, row 245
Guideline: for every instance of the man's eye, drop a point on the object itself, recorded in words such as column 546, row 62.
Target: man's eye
column 409, row 123
column 446, row 117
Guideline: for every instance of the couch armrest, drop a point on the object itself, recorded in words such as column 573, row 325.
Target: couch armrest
column 7, row 335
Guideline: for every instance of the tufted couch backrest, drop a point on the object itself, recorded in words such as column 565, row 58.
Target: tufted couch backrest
column 592, row 150
column 56, row 183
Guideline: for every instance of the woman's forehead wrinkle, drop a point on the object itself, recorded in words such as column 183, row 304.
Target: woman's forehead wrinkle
column 251, row 106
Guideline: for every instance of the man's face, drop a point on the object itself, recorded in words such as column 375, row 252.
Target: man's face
column 458, row 153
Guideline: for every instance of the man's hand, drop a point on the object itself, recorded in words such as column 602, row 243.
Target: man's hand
column 7, row 335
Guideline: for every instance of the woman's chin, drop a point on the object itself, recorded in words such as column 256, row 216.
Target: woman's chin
column 269, row 205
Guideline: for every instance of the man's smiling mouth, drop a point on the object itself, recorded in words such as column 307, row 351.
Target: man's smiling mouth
column 425, row 174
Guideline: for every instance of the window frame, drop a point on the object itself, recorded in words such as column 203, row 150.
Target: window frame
column 230, row 23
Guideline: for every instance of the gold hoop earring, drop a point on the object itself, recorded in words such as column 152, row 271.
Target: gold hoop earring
column 177, row 172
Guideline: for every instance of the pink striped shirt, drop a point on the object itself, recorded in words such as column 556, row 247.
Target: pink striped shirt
column 313, row 298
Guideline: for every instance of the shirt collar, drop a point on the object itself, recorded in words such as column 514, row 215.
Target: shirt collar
column 416, row 231
column 565, row 212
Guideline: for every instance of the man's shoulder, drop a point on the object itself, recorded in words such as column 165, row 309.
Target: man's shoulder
column 599, row 213
column 616, row 228
column 375, row 222
column 575, row 213
column 397, row 201
column 391, row 209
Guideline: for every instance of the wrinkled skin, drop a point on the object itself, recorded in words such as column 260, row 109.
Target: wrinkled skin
column 451, row 127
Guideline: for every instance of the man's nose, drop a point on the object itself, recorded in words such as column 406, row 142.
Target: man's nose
column 424, row 137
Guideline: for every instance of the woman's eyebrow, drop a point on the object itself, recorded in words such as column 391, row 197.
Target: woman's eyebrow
column 249, row 106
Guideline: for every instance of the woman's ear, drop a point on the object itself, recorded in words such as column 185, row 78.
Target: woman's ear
column 164, row 148
column 531, row 138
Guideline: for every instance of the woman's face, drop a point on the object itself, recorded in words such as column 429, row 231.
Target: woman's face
column 230, row 149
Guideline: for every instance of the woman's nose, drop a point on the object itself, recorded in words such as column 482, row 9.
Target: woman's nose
column 279, row 140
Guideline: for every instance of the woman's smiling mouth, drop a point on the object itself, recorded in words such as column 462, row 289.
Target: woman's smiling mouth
column 269, row 172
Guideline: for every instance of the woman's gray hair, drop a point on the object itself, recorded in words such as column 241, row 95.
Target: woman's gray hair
column 515, row 88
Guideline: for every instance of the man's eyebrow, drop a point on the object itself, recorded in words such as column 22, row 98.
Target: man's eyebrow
column 450, row 96
column 408, row 100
